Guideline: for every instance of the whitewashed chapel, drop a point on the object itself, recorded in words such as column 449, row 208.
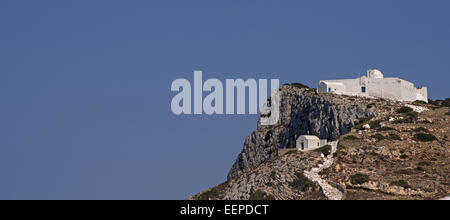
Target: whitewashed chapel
column 310, row 142
column 375, row 85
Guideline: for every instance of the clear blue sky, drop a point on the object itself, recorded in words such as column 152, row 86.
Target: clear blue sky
column 85, row 85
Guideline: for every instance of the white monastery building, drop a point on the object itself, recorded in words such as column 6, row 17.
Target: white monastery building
column 375, row 85
column 310, row 142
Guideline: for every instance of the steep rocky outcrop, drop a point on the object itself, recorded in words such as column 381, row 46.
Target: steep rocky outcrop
column 302, row 111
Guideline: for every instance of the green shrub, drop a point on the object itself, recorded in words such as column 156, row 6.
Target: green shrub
column 273, row 175
column 410, row 117
column 300, row 86
column 404, row 172
column 371, row 105
column 338, row 187
column 361, row 123
column 421, row 129
column 325, row 150
column 424, row 137
column 401, row 121
column 363, row 119
column 446, row 102
column 412, row 114
column 440, row 103
column 351, row 137
column 386, row 129
column 404, row 109
column 375, row 124
column 341, row 147
column 212, row 193
column 359, row 178
column 394, row 137
column 434, row 102
column 260, row 195
column 301, row 183
column 401, row 183
column 295, row 151
column 420, row 102
column 379, row 137
column 424, row 163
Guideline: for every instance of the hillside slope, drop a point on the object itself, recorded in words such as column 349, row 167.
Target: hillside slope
column 403, row 156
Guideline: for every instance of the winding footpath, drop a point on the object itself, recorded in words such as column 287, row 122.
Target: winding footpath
column 330, row 192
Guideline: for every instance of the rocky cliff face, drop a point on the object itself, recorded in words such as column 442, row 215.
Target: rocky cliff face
column 302, row 111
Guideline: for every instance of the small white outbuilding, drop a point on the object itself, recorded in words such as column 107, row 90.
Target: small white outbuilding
column 309, row 142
